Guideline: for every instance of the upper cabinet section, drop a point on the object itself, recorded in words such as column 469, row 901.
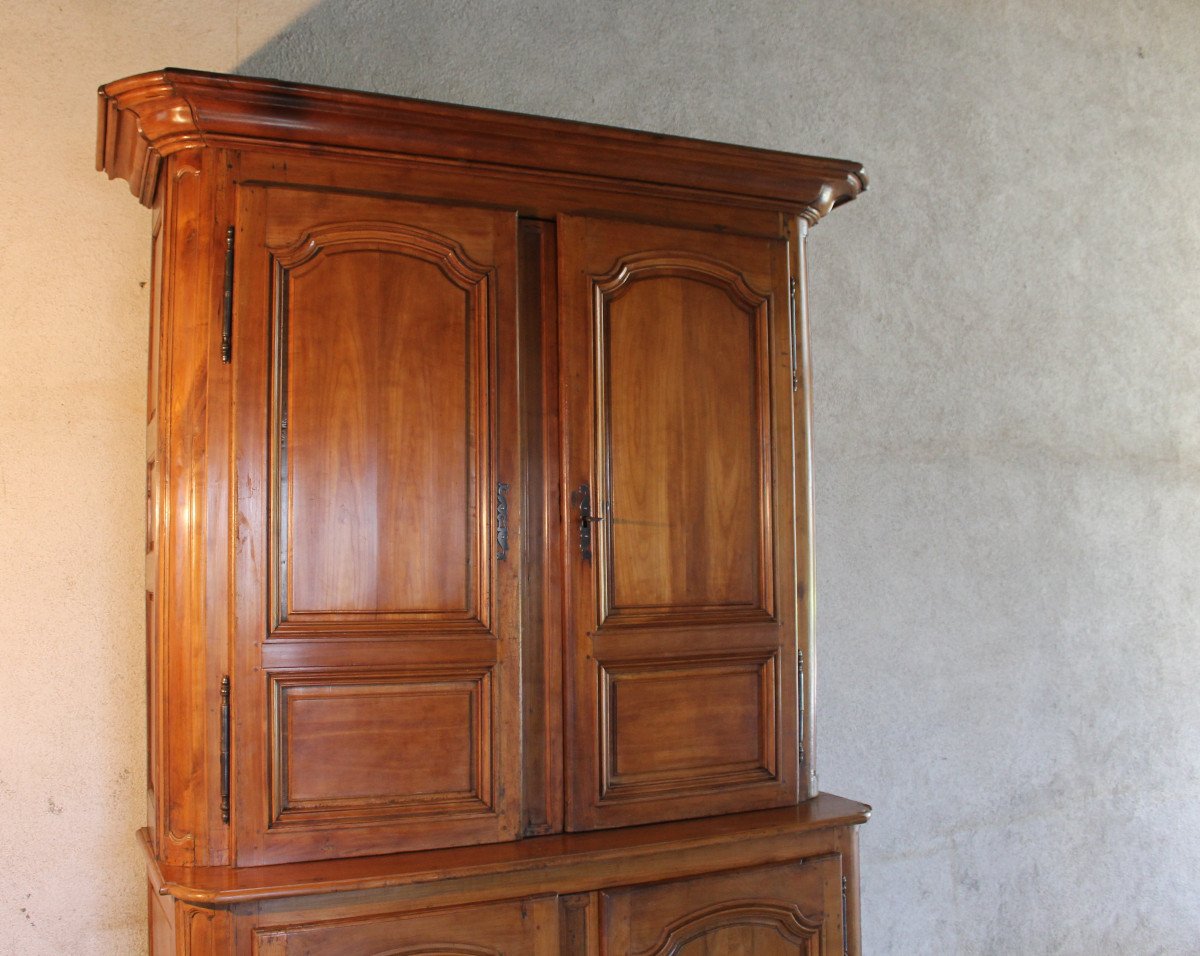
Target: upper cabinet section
column 144, row 119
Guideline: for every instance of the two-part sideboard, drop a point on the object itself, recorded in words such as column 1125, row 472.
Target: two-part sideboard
column 478, row 532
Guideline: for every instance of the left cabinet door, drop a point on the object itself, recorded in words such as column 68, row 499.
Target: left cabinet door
column 375, row 685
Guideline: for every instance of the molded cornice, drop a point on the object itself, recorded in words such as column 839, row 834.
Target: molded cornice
column 144, row 119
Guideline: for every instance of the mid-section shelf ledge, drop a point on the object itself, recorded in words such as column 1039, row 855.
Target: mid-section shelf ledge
column 562, row 863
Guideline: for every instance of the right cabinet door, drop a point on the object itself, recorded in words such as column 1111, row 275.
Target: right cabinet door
column 789, row 910
column 679, row 503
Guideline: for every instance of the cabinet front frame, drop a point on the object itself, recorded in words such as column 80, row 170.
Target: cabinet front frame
column 203, row 185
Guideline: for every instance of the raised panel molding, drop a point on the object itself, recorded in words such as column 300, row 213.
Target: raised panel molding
column 682, row 727
column 475, row 282
column 784, row 918
column 757, row 604
column 358, row 748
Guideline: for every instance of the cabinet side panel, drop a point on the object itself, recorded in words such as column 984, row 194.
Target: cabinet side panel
column 191, row 489
column 153, row 497
column 802, row 454
column 161, row 921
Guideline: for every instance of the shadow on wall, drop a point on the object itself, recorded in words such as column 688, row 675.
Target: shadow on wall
column 509, row 54
column 664, row 66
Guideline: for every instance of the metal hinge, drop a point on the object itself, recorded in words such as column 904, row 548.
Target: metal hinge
column 502, row 521
column 800, row 698
column 227, row 319
column 792, row 333
column 225, row 749
column 845, row 928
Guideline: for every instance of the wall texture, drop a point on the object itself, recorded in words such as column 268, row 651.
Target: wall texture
column 1006, row 333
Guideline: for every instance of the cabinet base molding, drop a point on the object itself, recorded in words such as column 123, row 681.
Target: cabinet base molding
column 782, row 880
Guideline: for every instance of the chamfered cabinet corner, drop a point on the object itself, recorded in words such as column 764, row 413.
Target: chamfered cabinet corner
column 478, row 527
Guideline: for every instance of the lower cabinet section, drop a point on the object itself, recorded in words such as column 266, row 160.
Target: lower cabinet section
column 770, row 883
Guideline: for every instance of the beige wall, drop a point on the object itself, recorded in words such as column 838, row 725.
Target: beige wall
column 1006, row 333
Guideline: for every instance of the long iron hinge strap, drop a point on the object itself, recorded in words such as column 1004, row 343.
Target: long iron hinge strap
column 792, row 333
column 227, row 315
column 845, row 928
column 501, row 521
column 800, row 697
column 225, row 749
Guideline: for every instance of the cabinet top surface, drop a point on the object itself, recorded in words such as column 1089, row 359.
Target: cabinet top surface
column 626, row 851
column 146, row 118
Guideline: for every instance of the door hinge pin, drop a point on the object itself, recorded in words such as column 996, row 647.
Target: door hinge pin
column 800, row 700
column 792, row 333
column 845, row 928
column 227, row 315
column 502, row 520
column 225, row 749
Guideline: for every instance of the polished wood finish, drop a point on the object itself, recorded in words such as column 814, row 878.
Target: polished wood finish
column 372, row 598
column 678, row 392
column 364, row 510
column 588, row 872
column 571, row 862
column 145, row 119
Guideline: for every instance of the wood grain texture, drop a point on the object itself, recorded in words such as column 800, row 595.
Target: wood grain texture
column 376, row 745
column 652, row 743
column 683, row 425
column 382, row 356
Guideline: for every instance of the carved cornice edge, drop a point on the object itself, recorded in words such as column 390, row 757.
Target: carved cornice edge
column 832, row 195
column 142, row 120
column 146, row 118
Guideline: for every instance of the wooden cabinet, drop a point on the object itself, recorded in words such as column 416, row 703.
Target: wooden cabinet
column 478, row 531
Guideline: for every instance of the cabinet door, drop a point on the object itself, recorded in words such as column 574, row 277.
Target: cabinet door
column 375, row 682
column 519, row 928
column 681, row 611
column 790, row 910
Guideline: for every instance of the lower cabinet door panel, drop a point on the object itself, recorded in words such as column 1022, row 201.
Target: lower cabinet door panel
column 768, row 911
column 512, row 928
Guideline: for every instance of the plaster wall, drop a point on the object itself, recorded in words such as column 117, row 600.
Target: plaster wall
column 1006, row 336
